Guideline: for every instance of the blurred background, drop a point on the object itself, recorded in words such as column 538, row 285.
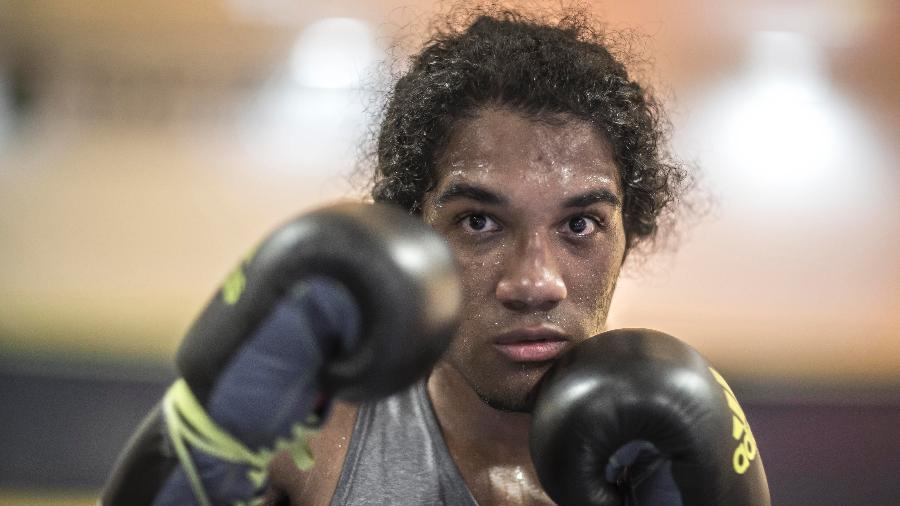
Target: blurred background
column 145, row 146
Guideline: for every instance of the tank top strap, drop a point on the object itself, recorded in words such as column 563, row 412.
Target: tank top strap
column 397, row 455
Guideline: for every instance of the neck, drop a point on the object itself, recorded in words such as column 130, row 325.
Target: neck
column 489, row 446
column 466, row 421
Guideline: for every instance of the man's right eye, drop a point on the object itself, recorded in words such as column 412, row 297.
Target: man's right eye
column 479, row 223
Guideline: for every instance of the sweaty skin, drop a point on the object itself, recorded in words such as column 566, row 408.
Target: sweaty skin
column 532, row 210
column 530, row 259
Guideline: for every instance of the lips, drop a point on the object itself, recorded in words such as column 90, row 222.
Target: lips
column 532, row 344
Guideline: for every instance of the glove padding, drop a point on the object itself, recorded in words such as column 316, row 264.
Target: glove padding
column 397, row 270
column 638, row 388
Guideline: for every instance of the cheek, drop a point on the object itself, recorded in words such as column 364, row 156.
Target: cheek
column 478, row 274
column 479, row 267
column 592, row 278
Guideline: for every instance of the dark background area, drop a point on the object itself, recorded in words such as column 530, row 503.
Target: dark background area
column 62, row 429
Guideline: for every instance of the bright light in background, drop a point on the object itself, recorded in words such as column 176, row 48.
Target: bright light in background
column 304, row 130
column 780, row 130
column 312, row 116
column 334, row 53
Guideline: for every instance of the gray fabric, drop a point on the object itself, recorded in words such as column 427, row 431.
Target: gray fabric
column 397, row 455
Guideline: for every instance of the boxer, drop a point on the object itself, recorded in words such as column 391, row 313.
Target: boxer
column 524, row 143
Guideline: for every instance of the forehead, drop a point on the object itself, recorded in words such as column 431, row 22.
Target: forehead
column 501, row 144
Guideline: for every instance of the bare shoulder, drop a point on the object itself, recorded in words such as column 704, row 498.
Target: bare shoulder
column 329, row 447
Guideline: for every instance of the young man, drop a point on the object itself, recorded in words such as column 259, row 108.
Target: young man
column 530, row 149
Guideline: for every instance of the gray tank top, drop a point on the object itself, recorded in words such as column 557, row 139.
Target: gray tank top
column 397, row 455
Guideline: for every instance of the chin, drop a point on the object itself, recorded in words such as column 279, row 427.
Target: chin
column 510, row 404
column 513, row 392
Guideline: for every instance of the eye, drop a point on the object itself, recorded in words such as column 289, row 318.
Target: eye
column 478, row 223
column 581, row 225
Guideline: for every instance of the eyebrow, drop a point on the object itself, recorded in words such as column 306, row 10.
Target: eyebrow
column 468, row 191
column 593, row 197
column 485, row 196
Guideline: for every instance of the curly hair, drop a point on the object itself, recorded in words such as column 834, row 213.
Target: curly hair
column 541, row 69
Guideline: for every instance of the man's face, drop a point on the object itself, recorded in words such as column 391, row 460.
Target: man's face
column 533, row 213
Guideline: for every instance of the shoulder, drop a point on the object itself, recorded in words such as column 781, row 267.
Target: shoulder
column 329, row 447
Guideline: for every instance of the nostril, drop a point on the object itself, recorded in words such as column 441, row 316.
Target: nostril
column 514, row 305
column 546, row 305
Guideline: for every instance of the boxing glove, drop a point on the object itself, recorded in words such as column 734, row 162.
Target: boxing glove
column 353, row 301
column 637, row 417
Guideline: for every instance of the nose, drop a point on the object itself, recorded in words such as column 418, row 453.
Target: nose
column 532, row 280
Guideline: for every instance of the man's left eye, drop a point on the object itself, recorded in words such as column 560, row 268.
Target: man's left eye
column 580, row 225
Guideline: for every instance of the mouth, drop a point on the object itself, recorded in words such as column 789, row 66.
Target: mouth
column 532, row 344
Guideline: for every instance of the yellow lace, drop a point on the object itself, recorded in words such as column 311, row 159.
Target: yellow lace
column 189, row 425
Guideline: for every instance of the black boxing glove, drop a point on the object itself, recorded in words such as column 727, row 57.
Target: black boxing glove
column 637, row 417
column 354, row 301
